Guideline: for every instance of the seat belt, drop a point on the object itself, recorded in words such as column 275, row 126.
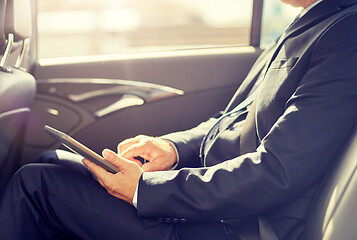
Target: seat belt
column 248, row 143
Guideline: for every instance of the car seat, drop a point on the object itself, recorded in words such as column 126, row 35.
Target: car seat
column 334, row 211
column 17, row 87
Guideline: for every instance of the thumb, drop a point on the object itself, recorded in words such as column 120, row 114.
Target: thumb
column 151, row 166
column 112, row 157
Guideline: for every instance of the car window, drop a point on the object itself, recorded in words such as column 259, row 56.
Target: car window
column 276, row 17
column 99, row 27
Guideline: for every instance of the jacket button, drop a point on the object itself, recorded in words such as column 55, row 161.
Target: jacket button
column 183, row 220
column 176, row 220
column 168, row 220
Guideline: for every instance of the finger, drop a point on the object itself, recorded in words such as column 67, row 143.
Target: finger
column 157, row 165
column 129, row 142
column 99, row 172
column 150, row 167
column 125, row 144
column 112, row 157
column 141, row 149
column 102, row 183
column 138, row 162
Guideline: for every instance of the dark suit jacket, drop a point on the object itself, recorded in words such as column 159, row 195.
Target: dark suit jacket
column 305, row 111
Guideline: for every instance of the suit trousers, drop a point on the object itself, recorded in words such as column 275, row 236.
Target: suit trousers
column 59, row 198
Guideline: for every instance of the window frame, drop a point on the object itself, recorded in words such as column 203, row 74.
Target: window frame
column 256, row 26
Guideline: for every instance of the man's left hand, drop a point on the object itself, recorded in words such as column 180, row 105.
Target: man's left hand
column 122, row 184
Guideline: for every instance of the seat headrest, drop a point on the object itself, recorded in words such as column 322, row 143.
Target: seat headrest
column 15, row 18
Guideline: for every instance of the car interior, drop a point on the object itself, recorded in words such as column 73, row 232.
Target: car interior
column 102, row 101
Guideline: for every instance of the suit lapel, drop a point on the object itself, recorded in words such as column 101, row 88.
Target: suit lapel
column 317, row 14
column 249, row 81
column 321, row 11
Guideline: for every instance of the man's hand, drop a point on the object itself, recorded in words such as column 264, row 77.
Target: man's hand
column 122, row 184
column 159, row 153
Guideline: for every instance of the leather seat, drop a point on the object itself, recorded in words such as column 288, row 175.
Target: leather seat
column 334, row 213
column 17, row 87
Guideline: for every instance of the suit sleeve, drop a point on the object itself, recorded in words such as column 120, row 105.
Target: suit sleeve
column 188, row 143
column 292, row 156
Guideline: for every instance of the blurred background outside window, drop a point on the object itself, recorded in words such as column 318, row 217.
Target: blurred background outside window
column 69, row 28
column 276, row 17
column 97, row 27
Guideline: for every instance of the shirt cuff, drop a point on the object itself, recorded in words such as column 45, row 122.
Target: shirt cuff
column 135, row 198
column 177, row 154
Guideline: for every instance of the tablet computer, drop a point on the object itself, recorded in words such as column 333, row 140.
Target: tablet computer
column 80, row 149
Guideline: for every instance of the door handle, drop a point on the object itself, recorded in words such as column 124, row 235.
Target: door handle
column 147, row 94
column 127, row 100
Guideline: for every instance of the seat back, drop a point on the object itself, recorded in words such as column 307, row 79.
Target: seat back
column 334, row 213
column 17, row 87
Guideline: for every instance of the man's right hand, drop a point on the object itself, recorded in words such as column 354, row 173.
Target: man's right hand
column 159, row 153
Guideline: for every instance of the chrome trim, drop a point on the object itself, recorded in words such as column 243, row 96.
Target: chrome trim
column 112, row 82
column 25, row 47
column 209, row 51
column 127, row 100
column 148, row 94
column 7, row 52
